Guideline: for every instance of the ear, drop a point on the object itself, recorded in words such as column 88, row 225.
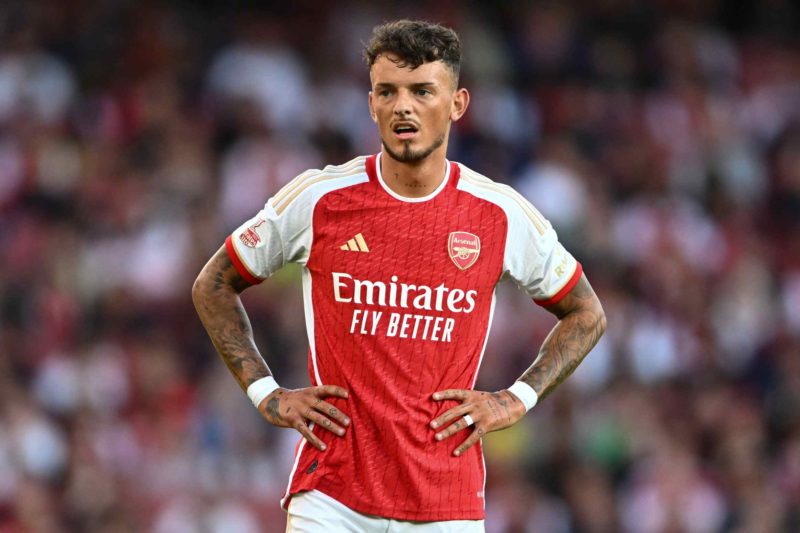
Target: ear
column 460, row 104
column 372, row 109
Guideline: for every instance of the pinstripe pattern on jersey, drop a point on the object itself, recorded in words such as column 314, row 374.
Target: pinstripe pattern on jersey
column 485, row 183
column 297, row 454
column 295, row 188
column 388, row 464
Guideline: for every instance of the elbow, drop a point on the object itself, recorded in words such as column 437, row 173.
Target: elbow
column 602, row 322
column 600, row 317
column 198, row 290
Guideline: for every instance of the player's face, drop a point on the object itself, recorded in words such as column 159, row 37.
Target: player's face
column 414, row 107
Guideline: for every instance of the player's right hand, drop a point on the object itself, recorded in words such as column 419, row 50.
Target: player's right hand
column 299, row 407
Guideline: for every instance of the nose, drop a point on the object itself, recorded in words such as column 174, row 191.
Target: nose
column 402, row 104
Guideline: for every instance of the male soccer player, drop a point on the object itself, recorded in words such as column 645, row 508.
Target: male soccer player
column 401, row 252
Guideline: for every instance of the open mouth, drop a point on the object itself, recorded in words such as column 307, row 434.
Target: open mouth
column 404, row 130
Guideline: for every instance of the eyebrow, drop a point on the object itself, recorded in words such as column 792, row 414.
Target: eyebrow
column 383, row 85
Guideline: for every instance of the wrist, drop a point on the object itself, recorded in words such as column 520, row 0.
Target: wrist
column 525, row 394
column 260, row 389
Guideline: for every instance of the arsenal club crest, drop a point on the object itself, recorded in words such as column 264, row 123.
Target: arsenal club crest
column 250, row 236
column 464, row 248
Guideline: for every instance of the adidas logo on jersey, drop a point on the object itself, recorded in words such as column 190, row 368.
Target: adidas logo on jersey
column 356, row 244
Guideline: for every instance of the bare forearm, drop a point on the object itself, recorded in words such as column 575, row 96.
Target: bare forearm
column 220, row 309
column 576, row 333
column 563, row 350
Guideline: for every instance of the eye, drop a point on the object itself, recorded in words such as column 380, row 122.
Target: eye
column 384, row 93
column 423, row 92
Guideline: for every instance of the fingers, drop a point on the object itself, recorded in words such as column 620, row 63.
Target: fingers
column 328, row 410
column 323, row 391
column 318, row 411
column 305, row 431
column 301, row 409
column 331, row 411
column 473, row 438
column 452, row 429
column 451, row 414
column 323, row 421
column 456, row 413
column 488, row 411
column 451, row 394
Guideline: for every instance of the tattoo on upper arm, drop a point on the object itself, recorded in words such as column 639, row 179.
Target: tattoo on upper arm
column 580, row 295
column 225, row 274
column 582, row 323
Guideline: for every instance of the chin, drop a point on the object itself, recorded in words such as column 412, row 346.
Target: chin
column 406, row 153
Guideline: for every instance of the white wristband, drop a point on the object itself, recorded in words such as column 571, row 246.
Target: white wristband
column 525, row 393
column 260, row 389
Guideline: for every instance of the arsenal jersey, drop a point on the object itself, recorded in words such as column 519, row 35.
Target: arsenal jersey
column 399, row 294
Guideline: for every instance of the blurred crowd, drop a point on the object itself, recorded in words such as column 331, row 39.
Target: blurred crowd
column 662, row 139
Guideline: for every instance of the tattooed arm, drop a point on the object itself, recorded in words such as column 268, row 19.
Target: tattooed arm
column 581, row 323
column 216, row 297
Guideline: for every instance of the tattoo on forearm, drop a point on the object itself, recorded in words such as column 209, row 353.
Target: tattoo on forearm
column 226, row 321
column 568, row 343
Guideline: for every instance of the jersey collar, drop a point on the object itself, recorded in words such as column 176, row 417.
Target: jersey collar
column 374, row 173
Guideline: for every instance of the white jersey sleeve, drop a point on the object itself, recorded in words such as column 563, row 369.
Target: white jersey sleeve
column 533, row 259
column 281, row 232
column 270, row 240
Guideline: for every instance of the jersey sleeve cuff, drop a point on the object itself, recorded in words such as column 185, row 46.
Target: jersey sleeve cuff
column 557, row 297
column 238, row 264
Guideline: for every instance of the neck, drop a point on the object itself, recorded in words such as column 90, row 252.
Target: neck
column 413, row 180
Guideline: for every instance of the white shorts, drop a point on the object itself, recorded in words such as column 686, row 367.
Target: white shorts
column 316, row 512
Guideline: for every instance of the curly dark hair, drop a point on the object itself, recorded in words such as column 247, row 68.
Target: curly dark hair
column 415, row 42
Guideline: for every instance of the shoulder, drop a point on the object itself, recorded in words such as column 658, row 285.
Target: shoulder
column 516, row 207
column 307, row 188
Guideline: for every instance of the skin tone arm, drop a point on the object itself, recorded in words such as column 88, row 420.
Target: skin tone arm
column 581, row 323
column 216, row 297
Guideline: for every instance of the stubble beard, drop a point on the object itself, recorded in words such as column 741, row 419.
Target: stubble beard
column 410, row 156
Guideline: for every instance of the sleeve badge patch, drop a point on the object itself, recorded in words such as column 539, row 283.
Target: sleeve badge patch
column 250, row 236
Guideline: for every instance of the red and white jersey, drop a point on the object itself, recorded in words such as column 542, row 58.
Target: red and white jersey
column 399, row 294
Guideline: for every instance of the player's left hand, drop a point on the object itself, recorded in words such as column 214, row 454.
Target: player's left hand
column 489, row 411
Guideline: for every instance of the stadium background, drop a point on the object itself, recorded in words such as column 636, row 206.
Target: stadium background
column 662, row 139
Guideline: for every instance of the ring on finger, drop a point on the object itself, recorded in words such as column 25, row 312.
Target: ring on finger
column 468, row 420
